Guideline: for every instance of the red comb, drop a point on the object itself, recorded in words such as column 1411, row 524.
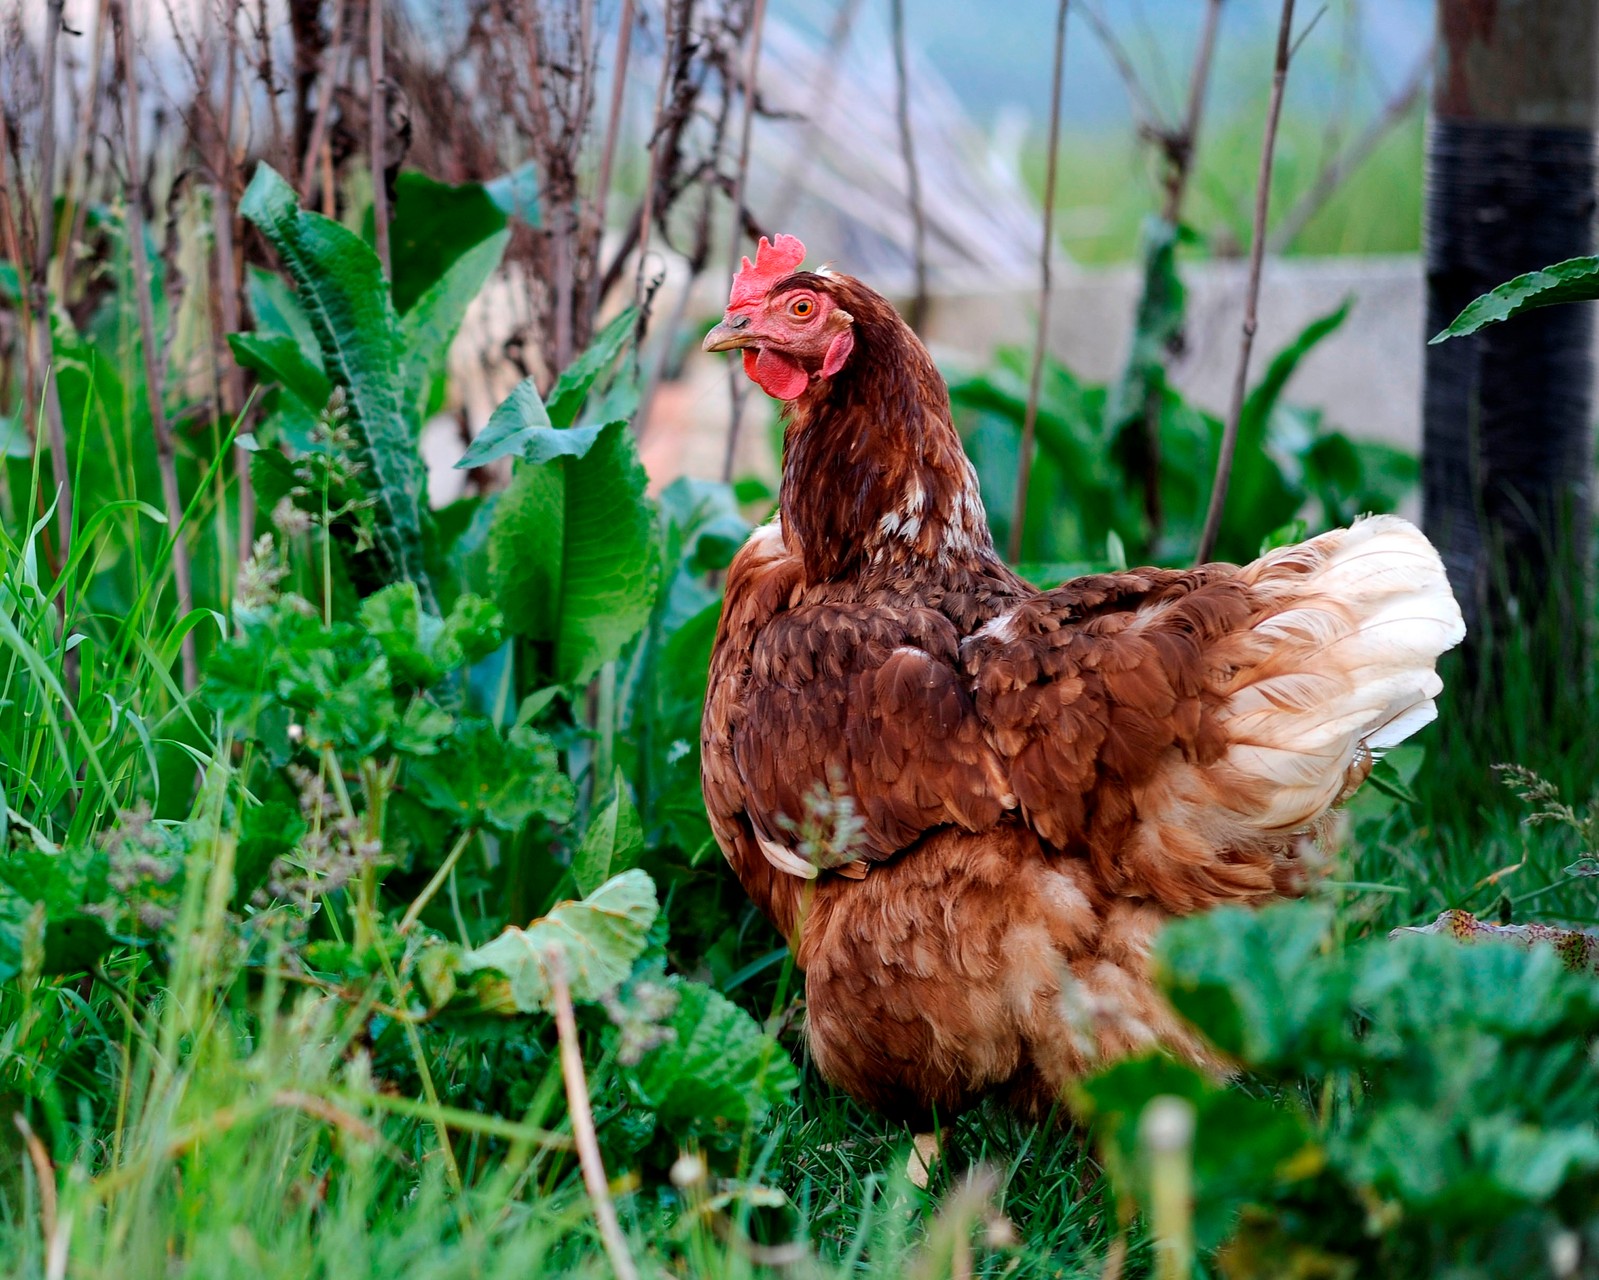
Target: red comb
column 774, row 259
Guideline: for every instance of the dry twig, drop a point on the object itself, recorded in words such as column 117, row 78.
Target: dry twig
column 44, row 1173
column 1257, row 254
column 1336, row 171
column 377, row 89
column 1180, row 144
column 613, row 122
column 587, row 1141
column 332, row 73
column 735, row 378
column 227, row 273
column 1143, row 102
column 917, row 312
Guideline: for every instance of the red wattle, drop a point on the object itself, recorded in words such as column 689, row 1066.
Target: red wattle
column 776, row 374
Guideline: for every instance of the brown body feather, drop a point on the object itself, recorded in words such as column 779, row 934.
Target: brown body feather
column 1030, row 782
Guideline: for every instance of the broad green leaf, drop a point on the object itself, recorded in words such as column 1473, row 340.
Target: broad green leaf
column 480, row 778
column 342, row 291
column 595, row 942
column 1421, row 986
column 51, row 889
column 422, row 728
column 1259, row 491
column 280, row 358
column 278, row 312
column 434, row 224
column 1575, row 280
column 718, row 1074
column 422, row 647
column 613, row 841
column 527, row 550
column 1529, row 1162
column 521, row 426
column 286, row 667
column 608, row 581
column 571, row 389
column 1265, row 394
column 571, row 552
column 509, row 426
column 429, row 326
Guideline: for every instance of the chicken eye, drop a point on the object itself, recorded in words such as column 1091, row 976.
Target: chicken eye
column 802, row 307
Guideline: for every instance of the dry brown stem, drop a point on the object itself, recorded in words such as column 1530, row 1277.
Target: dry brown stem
column 735, row 377
column 916, row 313
column 378, row 107
column 1335, row 172
column 583, row 1134
column 1046, row 253
column 1257, row 255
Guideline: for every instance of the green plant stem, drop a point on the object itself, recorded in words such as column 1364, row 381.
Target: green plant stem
column 435, row 1109
column 446, row 869
column 604, row 733
column 466, row 1121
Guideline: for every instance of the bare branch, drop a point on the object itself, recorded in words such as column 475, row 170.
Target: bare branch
column 822, row 94
column 1257, row 254
column 268, row 78
column 77, row 200
column 1336, row 171
column 613, row 122
column 1180, row 146
column 902, row 111
column 673, row 33
column 332, row 73
column 1024, row 466
column 1143, row 103
column 735, row 378
column 583, row 1134
column 227, row 274
column 377, row 90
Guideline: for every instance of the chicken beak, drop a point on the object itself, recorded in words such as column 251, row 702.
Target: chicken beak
column 730, row 335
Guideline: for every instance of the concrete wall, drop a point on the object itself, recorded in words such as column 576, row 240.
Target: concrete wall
column 1367, row 375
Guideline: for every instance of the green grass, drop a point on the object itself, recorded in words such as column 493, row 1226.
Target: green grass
column 1109, row 184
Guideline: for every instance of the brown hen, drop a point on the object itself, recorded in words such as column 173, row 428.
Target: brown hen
column 970, row 804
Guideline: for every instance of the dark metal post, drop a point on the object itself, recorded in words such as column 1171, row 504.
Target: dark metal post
column 1507, row 439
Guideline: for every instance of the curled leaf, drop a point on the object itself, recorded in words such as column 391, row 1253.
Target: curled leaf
column 595, row 941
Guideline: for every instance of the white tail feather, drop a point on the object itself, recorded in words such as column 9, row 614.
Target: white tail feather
column 1344, row 668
